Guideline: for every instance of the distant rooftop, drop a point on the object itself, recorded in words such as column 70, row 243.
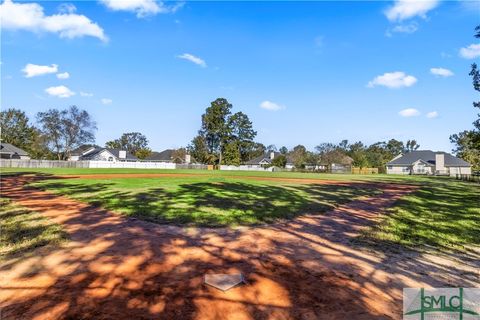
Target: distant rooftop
column 429, row 157
column 11, row 149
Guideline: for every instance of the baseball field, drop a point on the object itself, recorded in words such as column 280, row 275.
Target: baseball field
column 83, row 243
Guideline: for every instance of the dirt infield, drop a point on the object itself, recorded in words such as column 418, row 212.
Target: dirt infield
column 118, row 268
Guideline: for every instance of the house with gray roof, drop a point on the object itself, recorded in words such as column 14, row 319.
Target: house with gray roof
column 9, row 151
column 266, row 159
column 428, row 162
column 169, row 156
column 96, row 153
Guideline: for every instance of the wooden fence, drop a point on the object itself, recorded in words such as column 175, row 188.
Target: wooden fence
column 356, row 170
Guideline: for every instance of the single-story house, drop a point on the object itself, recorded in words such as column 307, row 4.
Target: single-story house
column 428, row 162
column 96, row 153
column 266, row 159
column 9, row 151
column 169, row 156
column 342, row 165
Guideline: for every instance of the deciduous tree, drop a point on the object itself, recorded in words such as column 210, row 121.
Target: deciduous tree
column 65, row 130
column 329, row 154
column 411, row 145
column 258, row 149
column 467, row 143
column 299, row 155
column 241, row 134
column 395, row 147
column 215, row 128
column 280, row 161
column 222, row 131
column 134, row 142
column 16, row 128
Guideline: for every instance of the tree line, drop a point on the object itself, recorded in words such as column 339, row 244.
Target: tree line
column 224, row 138
column 57, row 133
column 467, row 142
column 229, row 138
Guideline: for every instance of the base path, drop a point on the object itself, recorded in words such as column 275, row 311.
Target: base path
column 119, row 268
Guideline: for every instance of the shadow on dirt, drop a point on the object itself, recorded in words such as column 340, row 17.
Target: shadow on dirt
column 119, row 268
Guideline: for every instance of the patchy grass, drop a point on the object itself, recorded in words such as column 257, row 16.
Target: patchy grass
column 206, row 200
column 443, row 213
column 22, row 230
column 215, row 173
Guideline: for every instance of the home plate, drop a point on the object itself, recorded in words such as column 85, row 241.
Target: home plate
column 224, row 282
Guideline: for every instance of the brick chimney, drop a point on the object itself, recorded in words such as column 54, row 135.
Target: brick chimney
column 440, row 162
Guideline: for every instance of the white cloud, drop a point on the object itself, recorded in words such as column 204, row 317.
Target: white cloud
column 393, row 80
column 445, row 55
column 194, row 59
column 33, row 70
column 470, row 52
column 142, row 8
column 409, row 112
column 432, row 114
column 64, row 75
column 406, row 28
column 67, row 8
column 86, row 94
column 468, row 5
column 60, row 91
column 403, row 28
column 441, row 72
column 271, row 106
column 406, row 9
column 30, row 17
column 106, row 101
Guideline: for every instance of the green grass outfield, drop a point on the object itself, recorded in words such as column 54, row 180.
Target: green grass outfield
column 444, row 212
column 285, row 174
column 206, row 200
column 80, row 171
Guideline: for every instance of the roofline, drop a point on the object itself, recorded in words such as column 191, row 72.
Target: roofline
column 446, row 165
column 457, row 165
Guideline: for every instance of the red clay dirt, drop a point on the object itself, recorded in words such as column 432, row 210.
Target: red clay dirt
column 119, row 268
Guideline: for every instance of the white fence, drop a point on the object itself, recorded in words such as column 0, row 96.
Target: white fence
column 246, row 168
column 131, row 165
column 32, row 164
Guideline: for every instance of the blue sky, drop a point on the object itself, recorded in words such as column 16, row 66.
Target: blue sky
column 304, row 72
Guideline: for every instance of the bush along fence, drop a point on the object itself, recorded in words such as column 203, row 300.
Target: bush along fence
column 356, row 170
column 32, row 164
column 468, row 177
